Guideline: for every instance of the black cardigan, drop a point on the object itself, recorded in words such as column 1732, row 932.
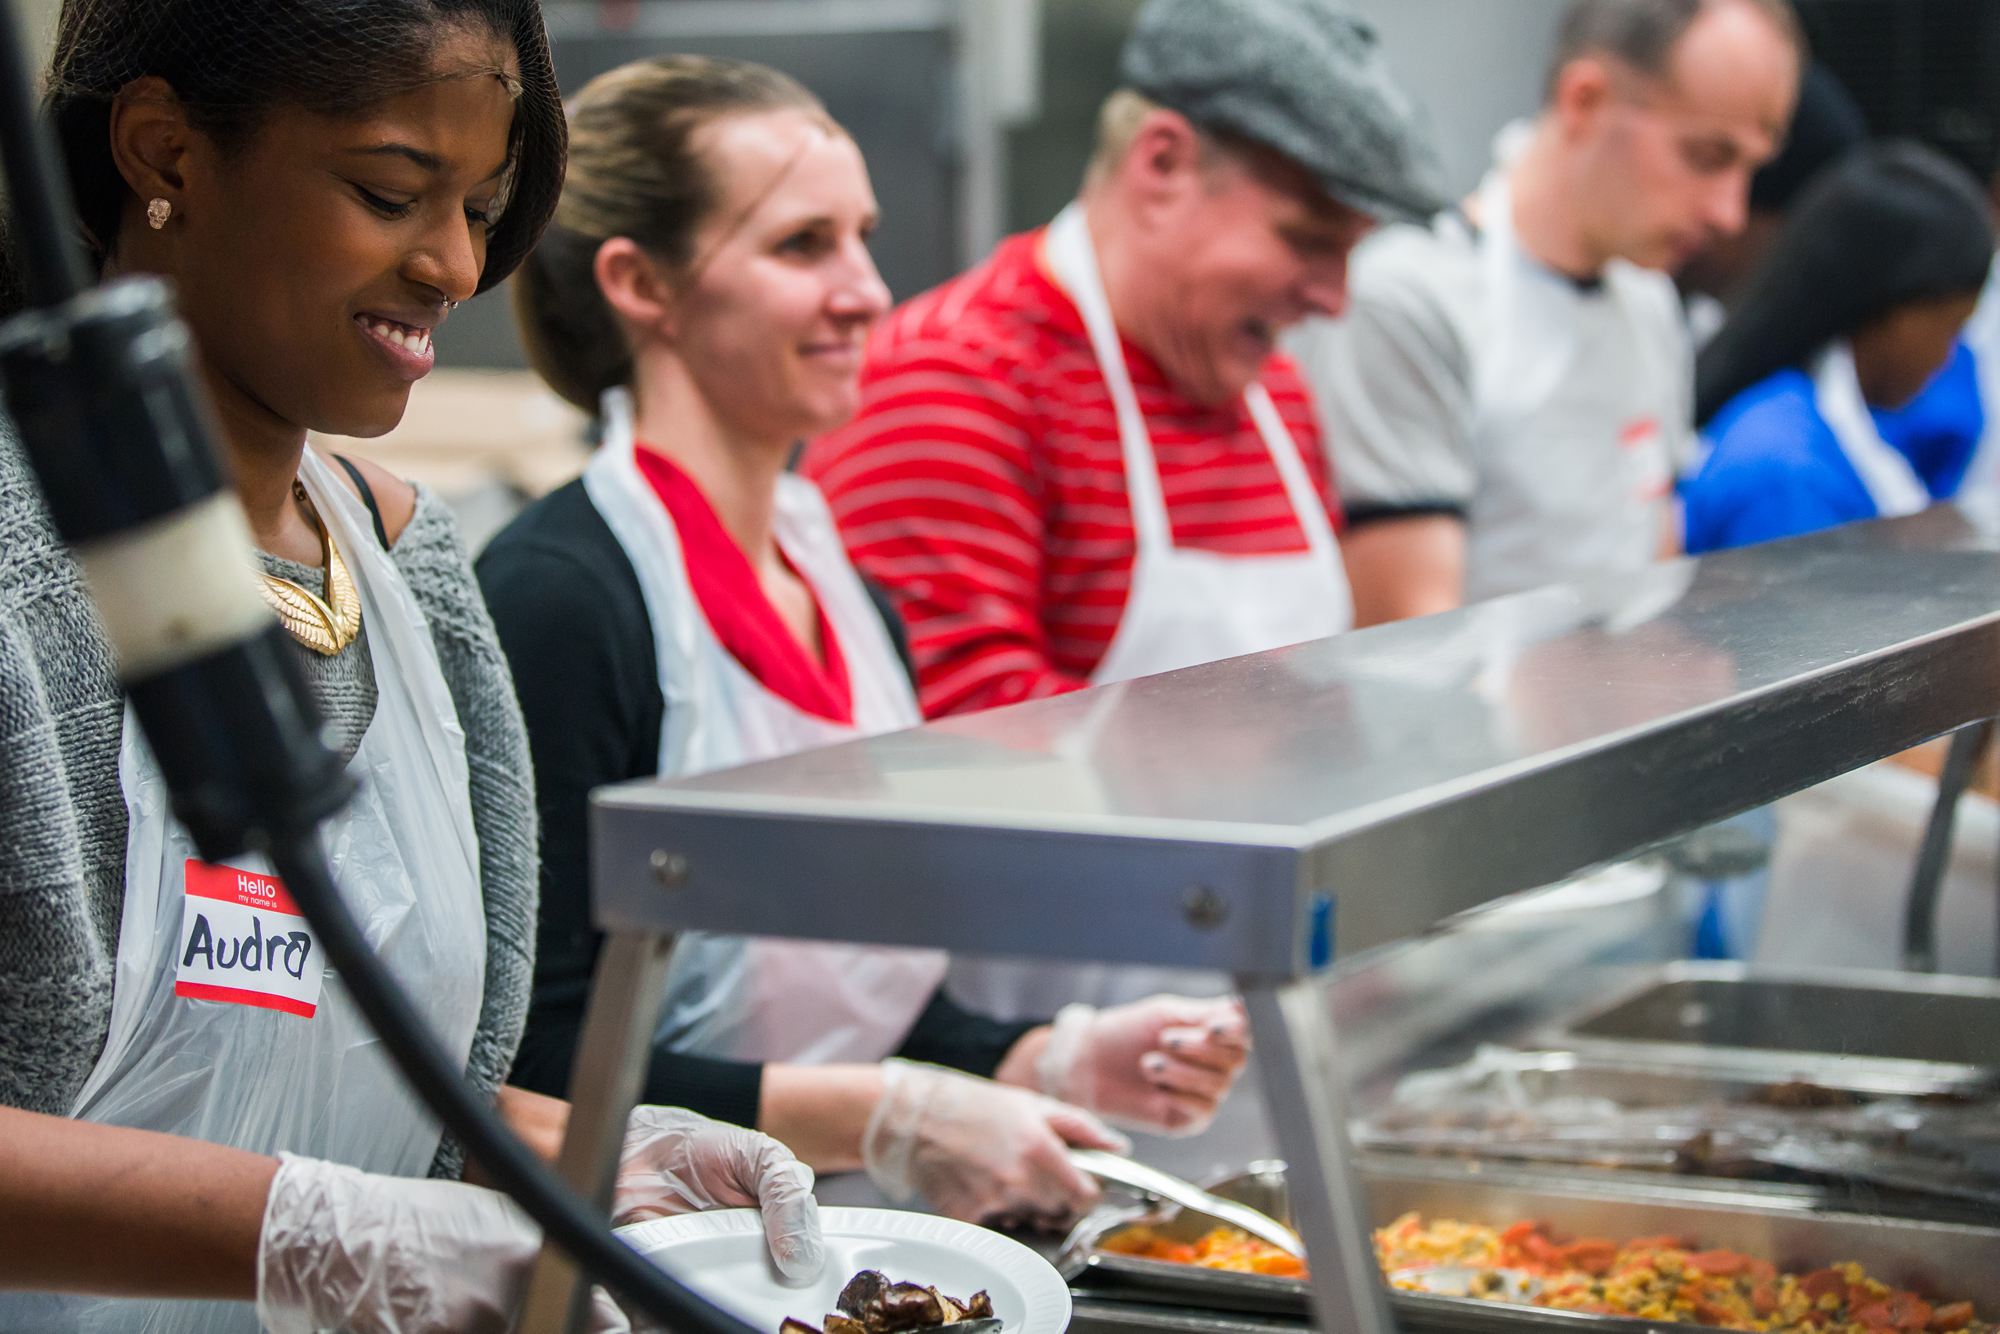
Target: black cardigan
column 573, row 623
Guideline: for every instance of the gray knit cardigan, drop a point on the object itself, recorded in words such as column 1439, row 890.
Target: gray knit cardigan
column 62, row 815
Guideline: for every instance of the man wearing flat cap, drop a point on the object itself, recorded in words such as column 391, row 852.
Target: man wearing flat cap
column 1511, row 392
column 1083, row 461
column 1059, row 452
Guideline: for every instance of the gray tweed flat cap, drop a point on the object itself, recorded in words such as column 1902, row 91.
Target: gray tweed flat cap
column 1303, row 77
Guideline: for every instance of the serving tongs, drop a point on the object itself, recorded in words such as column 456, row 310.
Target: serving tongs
column 1114, row 1170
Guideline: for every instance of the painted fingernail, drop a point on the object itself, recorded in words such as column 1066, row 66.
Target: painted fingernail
column 1154, row 1063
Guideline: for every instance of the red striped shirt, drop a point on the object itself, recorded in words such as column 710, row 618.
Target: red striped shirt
column 982, row 482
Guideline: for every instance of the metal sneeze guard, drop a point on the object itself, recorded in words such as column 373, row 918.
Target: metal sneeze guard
column 1272, row 814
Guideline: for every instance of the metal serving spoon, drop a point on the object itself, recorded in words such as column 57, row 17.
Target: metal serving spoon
column 1114, row 1170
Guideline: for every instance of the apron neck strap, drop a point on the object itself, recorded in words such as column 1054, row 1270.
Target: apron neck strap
column 1072, row 256
column 1307, row 503
column 617, row 420
column 1891, row 482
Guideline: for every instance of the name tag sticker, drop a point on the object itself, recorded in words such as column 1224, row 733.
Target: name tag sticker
column 243, row 942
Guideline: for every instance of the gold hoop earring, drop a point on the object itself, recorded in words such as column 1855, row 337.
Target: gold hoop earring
column 157, row 212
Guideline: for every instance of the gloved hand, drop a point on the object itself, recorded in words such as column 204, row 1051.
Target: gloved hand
column 676, row 1162
column 346, row 1249
column 977, row 1150
column 1162, row 1064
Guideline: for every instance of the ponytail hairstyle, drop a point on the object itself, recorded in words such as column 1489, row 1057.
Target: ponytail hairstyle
column 1891, row 224
column 635, row 171
column 231, row 62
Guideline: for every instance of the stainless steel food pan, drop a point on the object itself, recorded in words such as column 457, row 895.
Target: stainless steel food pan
column 1844, row 1028
column 1928, row 1150
column 1625, row 1074
column 1948, row 1260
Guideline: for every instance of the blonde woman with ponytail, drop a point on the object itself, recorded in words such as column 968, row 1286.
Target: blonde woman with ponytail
column 707, row 290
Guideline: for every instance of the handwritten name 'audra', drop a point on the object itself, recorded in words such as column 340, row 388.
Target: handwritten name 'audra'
column 252, row 952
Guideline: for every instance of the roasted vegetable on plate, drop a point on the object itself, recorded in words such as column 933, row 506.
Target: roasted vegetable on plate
column 871, row 1304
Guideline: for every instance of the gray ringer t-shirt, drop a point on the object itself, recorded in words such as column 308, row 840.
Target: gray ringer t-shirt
column 1413, row 385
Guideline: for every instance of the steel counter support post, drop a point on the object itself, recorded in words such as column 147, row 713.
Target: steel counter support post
column 1927, row 881
column 1306, row 1092
column 625, row 1001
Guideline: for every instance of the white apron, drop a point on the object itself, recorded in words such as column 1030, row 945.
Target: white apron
column 762, row 999
column 1577, row 403
column 1980, row 490
column 1186, row 607
column 226, row 1024
column 1885, row 473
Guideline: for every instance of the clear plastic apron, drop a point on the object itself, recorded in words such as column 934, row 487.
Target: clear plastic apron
column 1575, row 473
column 226, row 1024
column 1885, row 473
column 763, row 999
column 1185, row 607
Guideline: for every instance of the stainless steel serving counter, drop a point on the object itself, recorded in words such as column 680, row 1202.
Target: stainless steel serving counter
column 1390, row 777
column 1272, row 814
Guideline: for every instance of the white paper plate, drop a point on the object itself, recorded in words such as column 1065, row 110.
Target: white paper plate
column 721, row 1254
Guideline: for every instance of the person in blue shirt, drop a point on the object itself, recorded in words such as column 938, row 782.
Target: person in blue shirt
column 1855, row 311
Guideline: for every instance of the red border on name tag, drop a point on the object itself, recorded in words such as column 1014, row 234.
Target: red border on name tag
column 270, row 904
column 245, row 887
column 238, row 996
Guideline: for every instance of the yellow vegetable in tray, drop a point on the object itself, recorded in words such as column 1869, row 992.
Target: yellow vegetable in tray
column 1653, row 1278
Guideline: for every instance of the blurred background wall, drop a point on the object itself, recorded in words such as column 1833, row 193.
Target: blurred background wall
column 976, row 117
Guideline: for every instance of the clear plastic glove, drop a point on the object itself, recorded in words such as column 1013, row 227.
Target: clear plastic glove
column 977, row 1150
column 676, row 1162
column 351, row 1250
column 1162, row 1064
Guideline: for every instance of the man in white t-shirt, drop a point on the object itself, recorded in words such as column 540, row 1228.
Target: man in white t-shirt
column 1508, row 397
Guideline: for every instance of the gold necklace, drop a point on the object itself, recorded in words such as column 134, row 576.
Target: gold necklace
column 324, row 625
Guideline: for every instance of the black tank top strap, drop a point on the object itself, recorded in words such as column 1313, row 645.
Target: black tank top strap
column 367, row 498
